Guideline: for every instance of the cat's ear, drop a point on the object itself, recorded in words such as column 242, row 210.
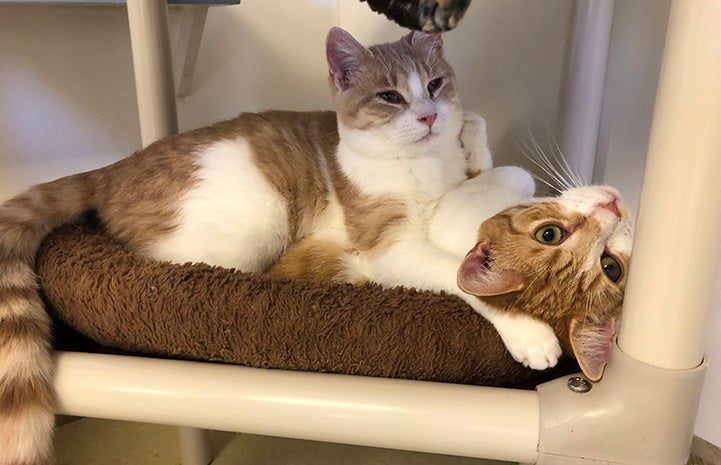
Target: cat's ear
column 345, row 56
column 424, row 40
column 592, row 343
column 478, row 275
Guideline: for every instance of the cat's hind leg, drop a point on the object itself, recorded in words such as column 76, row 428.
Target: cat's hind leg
column 319, row 258
column 232, row 217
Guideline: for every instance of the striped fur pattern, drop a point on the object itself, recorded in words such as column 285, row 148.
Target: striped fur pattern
column 26, row 413
column 256, row 193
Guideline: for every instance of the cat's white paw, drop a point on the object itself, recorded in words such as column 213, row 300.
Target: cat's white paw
column 511, row 178
column 530, row 341
column 475, row 143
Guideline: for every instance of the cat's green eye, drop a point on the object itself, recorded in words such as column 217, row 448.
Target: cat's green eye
column 550, row 234
column 391, row 96
column 611, row 267
column 434, row 85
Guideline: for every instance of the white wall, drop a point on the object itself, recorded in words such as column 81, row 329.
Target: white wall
column 67, row 93
column 67, row 99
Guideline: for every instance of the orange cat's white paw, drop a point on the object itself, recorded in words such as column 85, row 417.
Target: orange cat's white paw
column 530, row 341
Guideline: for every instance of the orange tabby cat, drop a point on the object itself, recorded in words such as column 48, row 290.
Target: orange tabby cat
column 561, row 260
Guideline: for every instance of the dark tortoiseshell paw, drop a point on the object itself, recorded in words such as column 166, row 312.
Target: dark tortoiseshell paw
column 431, row 16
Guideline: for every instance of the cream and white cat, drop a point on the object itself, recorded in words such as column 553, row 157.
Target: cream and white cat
column 363, row 188
column 243, row 192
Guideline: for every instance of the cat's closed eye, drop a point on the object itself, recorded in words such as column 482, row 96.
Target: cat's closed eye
column 391, row 96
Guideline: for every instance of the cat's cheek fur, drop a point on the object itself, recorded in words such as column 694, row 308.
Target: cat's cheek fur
column 404, row 137
column 246, row 231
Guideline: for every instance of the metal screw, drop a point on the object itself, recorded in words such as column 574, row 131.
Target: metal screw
column 579, row 384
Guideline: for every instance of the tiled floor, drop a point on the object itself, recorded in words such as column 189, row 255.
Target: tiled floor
column 102, row 442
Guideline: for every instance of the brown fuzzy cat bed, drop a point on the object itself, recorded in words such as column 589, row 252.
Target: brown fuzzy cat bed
column 200, row 312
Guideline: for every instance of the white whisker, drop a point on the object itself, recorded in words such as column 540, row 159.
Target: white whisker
column 552, row 165
column 536, row 156
column 588, row 309
column 540, row 179
column 562, row 164
column 572, row 173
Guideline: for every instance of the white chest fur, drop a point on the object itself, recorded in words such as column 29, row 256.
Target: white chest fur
column 415, row 179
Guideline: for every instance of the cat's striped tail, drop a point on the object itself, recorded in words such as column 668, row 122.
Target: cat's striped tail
column 26, row 396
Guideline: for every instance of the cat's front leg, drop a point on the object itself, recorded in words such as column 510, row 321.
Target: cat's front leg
column 529, row 340
column 412, row 261
column 474, row 142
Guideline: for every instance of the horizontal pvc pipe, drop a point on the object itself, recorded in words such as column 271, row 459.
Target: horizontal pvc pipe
column 581, row 98
column 442, row 418
column 678, row 236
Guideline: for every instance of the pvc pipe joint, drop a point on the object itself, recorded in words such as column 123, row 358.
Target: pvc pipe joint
column 636, row 415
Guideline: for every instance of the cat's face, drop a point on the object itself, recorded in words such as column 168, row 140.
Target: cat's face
column 564, row 260
column 397, row 98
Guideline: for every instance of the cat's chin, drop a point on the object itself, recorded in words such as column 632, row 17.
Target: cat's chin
column 428, row 138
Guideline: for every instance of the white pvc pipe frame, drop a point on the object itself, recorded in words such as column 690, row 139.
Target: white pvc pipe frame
column 470, row 420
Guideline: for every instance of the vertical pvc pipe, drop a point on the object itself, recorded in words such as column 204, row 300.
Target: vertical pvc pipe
column 581, row 99
column 148, row 20
column 194, row 446
column 678, row 236
column 158, row 115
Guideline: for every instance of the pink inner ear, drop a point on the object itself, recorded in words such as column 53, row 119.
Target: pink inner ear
column 592, row 343
column 344, row 55
column 478, row 276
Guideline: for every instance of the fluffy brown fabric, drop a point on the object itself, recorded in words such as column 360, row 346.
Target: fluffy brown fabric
column 199, row 312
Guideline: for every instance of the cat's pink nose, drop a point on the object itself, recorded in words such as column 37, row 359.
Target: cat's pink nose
column 611, row 206
column 428, row 119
